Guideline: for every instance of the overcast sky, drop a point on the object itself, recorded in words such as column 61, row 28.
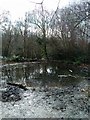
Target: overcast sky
column 18, row 8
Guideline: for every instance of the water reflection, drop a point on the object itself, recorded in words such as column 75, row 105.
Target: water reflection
column 37, row 74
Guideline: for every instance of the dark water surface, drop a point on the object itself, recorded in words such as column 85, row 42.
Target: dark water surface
column 53, row 74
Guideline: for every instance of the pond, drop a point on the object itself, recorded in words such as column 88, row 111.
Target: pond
column 52, row 74
column 55, row 90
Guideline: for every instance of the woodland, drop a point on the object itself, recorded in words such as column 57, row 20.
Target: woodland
column 63, row 34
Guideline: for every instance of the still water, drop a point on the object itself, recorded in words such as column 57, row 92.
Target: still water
column 53, row 74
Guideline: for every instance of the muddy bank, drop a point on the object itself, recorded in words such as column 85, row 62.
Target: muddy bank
column 51, row 102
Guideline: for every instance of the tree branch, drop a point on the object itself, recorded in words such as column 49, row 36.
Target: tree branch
column 36, row 24
column 84, row 18
column 55, row 11
column 85, row 33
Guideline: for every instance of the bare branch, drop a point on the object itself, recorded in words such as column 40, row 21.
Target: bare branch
column 85, row 33
column 55, row 11
column 36, row 24
column 84, row 18
column 36, row 2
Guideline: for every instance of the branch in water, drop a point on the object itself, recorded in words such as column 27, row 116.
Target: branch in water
column 18, row 85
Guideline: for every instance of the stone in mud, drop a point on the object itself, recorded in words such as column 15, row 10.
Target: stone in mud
column 33, row 89
column 48, row 95
column 61, row 107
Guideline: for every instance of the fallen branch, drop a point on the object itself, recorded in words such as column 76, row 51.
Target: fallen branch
column 18, row 85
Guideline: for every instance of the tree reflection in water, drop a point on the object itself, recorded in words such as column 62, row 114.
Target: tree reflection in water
column 39, row 74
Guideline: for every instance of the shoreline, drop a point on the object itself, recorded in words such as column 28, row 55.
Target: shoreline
column 66, row 102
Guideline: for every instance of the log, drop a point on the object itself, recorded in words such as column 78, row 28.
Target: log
column 18, row 85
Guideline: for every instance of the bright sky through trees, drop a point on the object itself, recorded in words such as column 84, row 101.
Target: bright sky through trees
column 18, row 8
